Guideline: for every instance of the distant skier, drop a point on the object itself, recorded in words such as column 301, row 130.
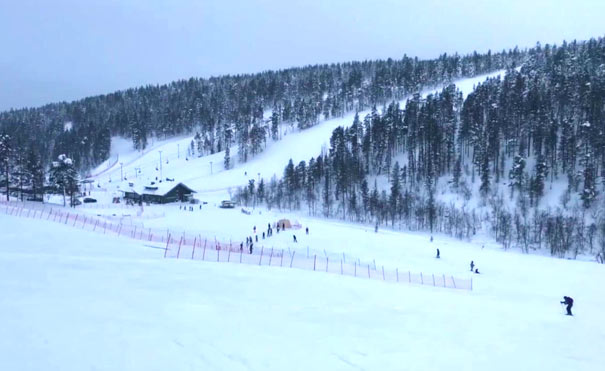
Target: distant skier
column 307, row 230
column 283, row 226
column 431, row 238
column 250, row 248
column 477, row 271
column 472, row 265
column 294, row 236
column 569, row 301
column 438, row 254
column 254, row 229
column 256, row 238
column 376, row 228
column 241, row 246
column 263, row 235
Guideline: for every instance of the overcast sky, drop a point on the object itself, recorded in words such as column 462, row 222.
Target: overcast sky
column 53, row 50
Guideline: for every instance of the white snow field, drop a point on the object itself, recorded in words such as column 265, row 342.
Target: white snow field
column 78, row 300
column 74, row 299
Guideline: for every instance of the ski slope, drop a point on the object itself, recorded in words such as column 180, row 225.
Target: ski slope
column 72, row 300
column 207, row 174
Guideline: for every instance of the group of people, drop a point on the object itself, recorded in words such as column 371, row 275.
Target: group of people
column 250, row 241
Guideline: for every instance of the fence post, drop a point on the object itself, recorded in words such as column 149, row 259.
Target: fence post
column 471, row 284
column 204, row 253
column 409, row 277
column 193, row 252
column 241, row 252
column 134, row 233
column 281, row 261
column 369, row 271
column 343, row 257
column 421, row 279
column 47, row 218
column 292, row 258
column 218, row 255
column 453, row 281
column 355, row 269
column 178, row 253
column 326, row 263
column 166, row 249
column 120, row 230
column 341, row 272
column 84, row 222
column 397, row 273
column 66, row 218
column 374, row 260
column 75, row 220
column 104, row 227
column 271, row 256
column 229, row 256
column 383, row 278
column 314, row 261
column 149, row 235
column 444, row 281
column 433, row 279
column 95, row 227
column 261, row 255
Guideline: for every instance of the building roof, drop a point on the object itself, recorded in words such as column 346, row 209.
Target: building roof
column 157, row 189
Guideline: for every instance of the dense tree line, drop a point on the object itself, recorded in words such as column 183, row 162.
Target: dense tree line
column 504, row 147
column 229, row 110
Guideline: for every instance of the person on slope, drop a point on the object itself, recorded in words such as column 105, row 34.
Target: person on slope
column 438, row 254
column 294, row 236
column 569, row 301
column 472, row 265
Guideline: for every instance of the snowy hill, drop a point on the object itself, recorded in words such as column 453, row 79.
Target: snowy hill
column 80, row 300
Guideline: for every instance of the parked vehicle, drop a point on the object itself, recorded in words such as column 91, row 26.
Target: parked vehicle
column 226, row 204
column 89, row 200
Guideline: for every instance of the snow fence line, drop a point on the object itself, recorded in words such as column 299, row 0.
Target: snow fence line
column 200, row 248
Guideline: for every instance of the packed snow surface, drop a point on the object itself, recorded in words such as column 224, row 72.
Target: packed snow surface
column 76, row 300
column 73, row 300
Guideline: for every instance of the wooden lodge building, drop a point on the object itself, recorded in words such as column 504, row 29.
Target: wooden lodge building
column 159, row 193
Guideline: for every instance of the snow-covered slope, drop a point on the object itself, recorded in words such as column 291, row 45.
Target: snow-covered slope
column 72, row 300
column 207, row 174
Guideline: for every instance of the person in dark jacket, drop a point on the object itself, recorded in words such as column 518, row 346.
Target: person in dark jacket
column 438, row 254
column 251, row 248
column 472, row 265
column 477, row 271
column 569, row 302
column 294, row 236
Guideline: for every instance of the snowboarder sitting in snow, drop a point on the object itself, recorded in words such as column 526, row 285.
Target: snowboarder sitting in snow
column 477, row 271
column 569, row 301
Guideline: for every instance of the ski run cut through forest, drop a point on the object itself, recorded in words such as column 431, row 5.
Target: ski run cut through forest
column 398, row 214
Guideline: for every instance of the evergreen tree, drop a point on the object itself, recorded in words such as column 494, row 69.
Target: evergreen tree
column 64, row 177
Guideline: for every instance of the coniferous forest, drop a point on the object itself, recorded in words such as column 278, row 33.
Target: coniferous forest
column 492, row 161
column 521, row 157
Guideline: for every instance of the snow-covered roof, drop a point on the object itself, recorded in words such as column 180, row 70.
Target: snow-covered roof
column 158, row 189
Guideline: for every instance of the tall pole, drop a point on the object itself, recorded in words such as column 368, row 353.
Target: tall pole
column 178, row 150
column 211, row 167
column 121, row 172
column 160, row 165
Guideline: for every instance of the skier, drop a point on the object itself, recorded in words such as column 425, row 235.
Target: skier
column 569, row 301
column 250, row 248
column 438, row 254
column 477, row 271
column 256, row 237
column 294, row 236
column 376, row 228
column 472, row 265
column 263, row 235
column 307, row 230
column 254, row 229
column 283, row 226
column 241, row 246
